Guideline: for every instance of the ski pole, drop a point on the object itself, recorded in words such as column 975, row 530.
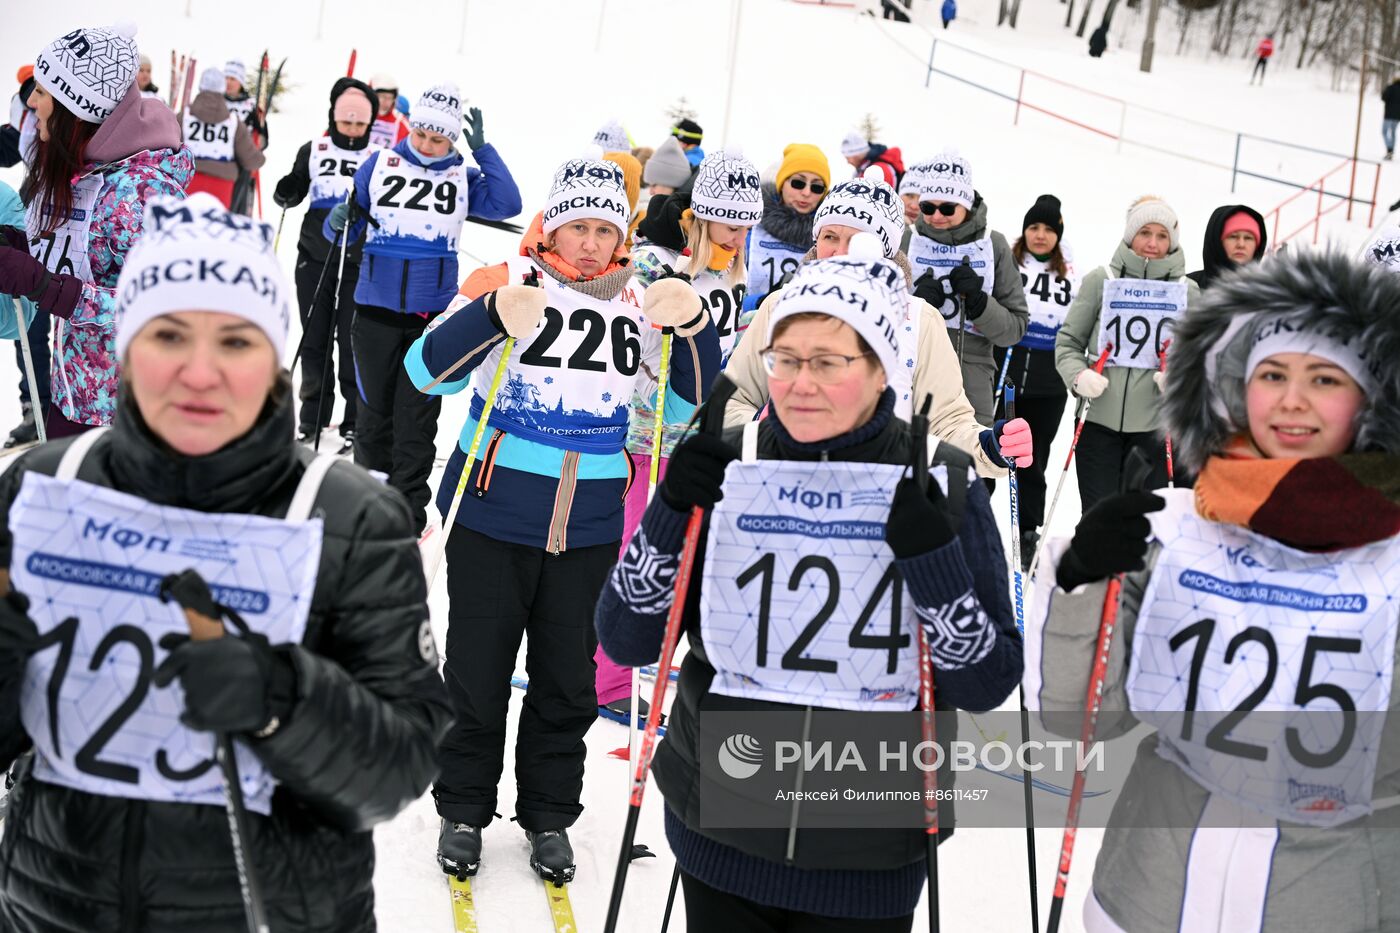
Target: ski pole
column 278, row 238
column 1171, row 472
column 203, row 628
column 487, row 404
column 1060, row 484
column 918, row 431
column 670, row 899
column 1001, row 377
column 320, row 280
column 658, row 424
column 28, row 356
column 712, row 421
column 962, row 317
column 330, row 341
column 1136, row 475
column 1019, row 603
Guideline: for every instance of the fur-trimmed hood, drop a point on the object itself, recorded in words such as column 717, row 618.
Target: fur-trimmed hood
column 1203, row 406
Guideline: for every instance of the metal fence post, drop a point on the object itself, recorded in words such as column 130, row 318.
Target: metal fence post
column 931, row 49
column 1234, row 169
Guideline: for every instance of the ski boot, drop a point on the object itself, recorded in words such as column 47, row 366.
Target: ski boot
column 459, row 849
column 25, row 433
column 551, row 856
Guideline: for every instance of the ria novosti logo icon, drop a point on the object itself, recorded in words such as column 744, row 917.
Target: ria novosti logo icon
column 740, row 756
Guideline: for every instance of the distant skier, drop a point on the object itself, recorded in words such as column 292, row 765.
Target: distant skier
column 1265, row 51
column 873, row 160
column 1391, row 98
column 1098, row 42
column 390, row 127
column 221, row 144
column 950, row 12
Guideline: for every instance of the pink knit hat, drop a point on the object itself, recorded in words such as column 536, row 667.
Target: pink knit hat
column 352, row 106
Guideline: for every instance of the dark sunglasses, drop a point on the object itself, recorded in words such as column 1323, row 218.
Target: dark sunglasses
column 947, row 208
column 797, row 184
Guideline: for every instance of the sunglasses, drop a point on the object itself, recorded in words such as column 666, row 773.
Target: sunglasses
column 947, row 208
column 797, row 184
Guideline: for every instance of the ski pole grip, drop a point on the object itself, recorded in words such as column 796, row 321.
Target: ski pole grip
column 191, row 593
column 1103, row 358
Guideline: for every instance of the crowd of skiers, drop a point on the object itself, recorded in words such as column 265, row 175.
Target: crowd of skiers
column 839, row 311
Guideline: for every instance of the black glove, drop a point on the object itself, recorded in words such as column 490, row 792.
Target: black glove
column 1111, row 538
column 929, row 287
column 15, row 238
column 232, row 684
column 695, row 475
column 285, row 194
column 918, row 522
column 967, row 283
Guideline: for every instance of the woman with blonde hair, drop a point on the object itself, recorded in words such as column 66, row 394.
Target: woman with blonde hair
column 700, row 230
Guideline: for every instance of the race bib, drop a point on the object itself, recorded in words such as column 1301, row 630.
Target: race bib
column 1137, row 318
column 802, row 602
column 926, row 254
column 211, row 141
column 332, row 172
column 1048, row 297
column 770, row 261
column 569, row 383
column 383, row 134
column 413, row 205
column 91, row 559
column 1253, row 660
column 65, row 251
column 725, row 304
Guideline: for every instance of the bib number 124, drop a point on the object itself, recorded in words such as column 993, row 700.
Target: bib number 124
column 794, row 659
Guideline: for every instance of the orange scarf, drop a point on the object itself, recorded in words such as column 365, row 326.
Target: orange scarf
column 1319, row 504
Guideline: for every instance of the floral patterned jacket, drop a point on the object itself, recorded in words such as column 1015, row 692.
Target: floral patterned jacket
column 84, row 361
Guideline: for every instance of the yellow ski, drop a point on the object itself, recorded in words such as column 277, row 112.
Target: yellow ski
column 463, row 906
column 559, row 907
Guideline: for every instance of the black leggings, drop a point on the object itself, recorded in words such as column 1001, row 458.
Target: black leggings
column 709, row 909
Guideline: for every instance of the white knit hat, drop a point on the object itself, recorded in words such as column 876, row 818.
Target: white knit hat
column 1151, row 210
column 862, row 288
column 234, row 68
column 89, row 70
column 587, row 188
column 915, row 178
column 1277, row 334
column 439, row 110
column 727, row 190
column 611, row 137
column 854, row 144
column 872, row 206
column 1384, row 250
column 194, row 255
column 211, row 79
column 948, row 177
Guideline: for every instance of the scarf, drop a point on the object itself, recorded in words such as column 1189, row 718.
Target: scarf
column 1319, row 504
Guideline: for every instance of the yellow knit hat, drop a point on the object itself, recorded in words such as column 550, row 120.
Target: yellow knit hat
column 803, row 157
column 631, row 174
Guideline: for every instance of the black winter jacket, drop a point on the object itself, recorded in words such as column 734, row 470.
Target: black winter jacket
column 358, row 746
column 1213, row 249
column 293, row 187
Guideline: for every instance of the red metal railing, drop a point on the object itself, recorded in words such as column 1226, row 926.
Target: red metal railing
column 1315, row 221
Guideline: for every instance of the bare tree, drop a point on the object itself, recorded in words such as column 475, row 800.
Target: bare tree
column 1015, row 12
column 1149, row 44
column 1084, row 20
column 1312, row 6
column 1069, row 14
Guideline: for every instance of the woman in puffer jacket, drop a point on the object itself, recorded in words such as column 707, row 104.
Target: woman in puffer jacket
column 1128, row 306
column 330, row 693
column 1256, row 627
column 103, row 151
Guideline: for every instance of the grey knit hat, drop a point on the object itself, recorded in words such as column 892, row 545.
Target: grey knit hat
column 667, row 165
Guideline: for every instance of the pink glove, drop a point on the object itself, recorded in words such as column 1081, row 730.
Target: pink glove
column 1014, row 441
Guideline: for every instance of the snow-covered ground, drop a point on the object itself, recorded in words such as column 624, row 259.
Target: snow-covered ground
column 547, row 73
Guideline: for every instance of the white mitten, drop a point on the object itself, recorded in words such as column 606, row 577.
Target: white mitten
column 1090, row 384
column 519, row 308
column 672, row 302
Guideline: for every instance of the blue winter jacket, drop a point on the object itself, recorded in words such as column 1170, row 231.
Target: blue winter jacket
column 524, row 489
column 421, row 276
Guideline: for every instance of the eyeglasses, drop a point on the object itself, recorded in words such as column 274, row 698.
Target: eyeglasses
column 797, row 184
column 947, row 208
column 826, row 368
